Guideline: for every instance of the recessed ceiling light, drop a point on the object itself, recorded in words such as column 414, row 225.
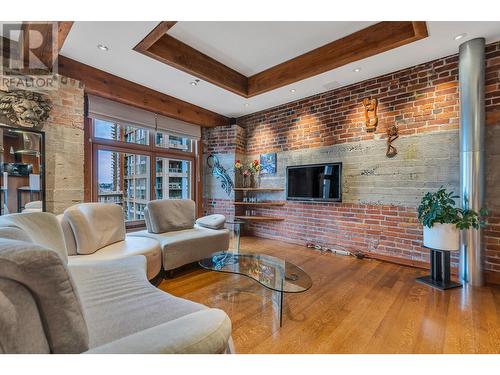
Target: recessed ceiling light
column 246, row 104
column 357, row 70
column 102, row 47
column 194, row 83
column 460, row 36
column 293, row 90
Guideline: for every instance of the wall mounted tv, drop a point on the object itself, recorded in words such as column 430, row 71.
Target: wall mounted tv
column 318, row 182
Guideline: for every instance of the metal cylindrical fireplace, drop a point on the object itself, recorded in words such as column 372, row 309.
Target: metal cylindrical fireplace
column 472, row 128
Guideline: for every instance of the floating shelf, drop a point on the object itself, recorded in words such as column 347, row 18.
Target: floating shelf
column 258, row 189
column 260, row 204
column 260, row 218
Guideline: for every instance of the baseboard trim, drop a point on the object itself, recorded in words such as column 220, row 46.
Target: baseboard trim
column 492, row 278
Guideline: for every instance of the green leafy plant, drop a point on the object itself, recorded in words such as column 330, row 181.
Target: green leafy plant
column 440, row 207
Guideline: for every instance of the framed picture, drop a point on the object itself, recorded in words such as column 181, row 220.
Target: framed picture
column 268, row 163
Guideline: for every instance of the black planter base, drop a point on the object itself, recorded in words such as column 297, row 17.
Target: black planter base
column 440, row 271
column 438, row 284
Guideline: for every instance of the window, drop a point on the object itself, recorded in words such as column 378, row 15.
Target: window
column 133, row 165
column 121, row 133
column 165, row 140
column 173, row 178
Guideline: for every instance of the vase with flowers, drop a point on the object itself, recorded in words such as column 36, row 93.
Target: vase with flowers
column 254, row 169
column 247, row 175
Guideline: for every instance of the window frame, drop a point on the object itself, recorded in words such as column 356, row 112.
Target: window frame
column 95, row 144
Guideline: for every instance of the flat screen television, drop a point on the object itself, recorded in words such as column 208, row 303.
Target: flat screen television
column 318, row 182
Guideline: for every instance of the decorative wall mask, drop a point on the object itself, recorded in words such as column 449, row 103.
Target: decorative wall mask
column 371, row 118
column 392, row 135
column 26, row 109
column 220, row 173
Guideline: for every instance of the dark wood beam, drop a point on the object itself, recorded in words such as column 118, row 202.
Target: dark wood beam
column 162, row 47
column 109, row 86
column 370, row 41
column 50, row 37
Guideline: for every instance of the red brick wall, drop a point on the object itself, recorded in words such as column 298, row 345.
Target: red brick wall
column 420, row 99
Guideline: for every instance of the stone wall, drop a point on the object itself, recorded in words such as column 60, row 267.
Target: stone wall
column 64, row 146
column 380, row 195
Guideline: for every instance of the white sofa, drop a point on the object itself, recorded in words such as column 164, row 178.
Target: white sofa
column 49, row 306
column 172, row 223
column 96, row 232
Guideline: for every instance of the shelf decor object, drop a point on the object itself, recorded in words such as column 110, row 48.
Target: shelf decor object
column 252, row 202
column 220, row 173
column 371, row 118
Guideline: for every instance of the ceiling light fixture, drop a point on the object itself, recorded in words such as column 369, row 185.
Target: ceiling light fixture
column 246, row 104
column 292, row 90
column 460, row 36
column 194, row 83
column 357, row 70
column 102, row 47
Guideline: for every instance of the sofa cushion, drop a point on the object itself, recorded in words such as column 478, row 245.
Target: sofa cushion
column 131, row 246
column 95, row 225
column 168, row 215
column 189, row 245
column 215, row 221
column 119, row 301
column 43, row 273
column 41, row 228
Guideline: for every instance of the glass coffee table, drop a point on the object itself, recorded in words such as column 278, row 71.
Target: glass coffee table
column 273, row 273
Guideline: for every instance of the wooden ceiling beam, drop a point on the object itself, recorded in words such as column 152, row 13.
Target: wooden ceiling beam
column 106, row 85
column 162, row 47
column 370, row 41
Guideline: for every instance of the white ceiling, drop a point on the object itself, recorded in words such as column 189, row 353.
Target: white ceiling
column 249, row 48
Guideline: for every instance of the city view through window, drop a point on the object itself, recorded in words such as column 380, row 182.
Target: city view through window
column 124, row 178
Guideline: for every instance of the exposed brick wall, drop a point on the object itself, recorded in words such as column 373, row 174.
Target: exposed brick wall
column 224, row 139
column 419, row 100
column 492, row 102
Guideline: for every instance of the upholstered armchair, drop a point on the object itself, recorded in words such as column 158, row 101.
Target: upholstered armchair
column 183, row 239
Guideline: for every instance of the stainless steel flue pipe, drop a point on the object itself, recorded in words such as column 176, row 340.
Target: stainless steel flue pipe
column 472, row 128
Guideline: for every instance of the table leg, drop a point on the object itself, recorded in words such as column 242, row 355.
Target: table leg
column 281, row 308
column 19, row 203
column 237, row 231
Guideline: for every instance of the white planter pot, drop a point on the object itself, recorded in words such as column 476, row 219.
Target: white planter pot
column 442, row 237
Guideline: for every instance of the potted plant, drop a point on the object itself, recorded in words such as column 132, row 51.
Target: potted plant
column 249, row 173
column 442, row 220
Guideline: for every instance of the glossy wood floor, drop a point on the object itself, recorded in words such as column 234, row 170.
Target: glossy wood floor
column 354, row 306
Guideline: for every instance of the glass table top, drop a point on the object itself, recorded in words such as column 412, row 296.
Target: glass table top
column 273, row 273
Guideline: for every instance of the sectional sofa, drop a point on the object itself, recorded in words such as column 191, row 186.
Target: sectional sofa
column 100, row 302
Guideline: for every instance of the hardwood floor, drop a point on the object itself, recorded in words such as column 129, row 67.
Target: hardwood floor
column 354, row 306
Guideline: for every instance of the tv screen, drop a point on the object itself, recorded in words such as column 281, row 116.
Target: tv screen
column 318, row 182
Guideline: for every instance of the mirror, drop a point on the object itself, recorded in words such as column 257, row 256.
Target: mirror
column 21, row 171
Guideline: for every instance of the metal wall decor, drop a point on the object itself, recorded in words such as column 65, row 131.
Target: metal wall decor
column 24, row 109
column 220, row 173
column 392, row 135
column 371, row 118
